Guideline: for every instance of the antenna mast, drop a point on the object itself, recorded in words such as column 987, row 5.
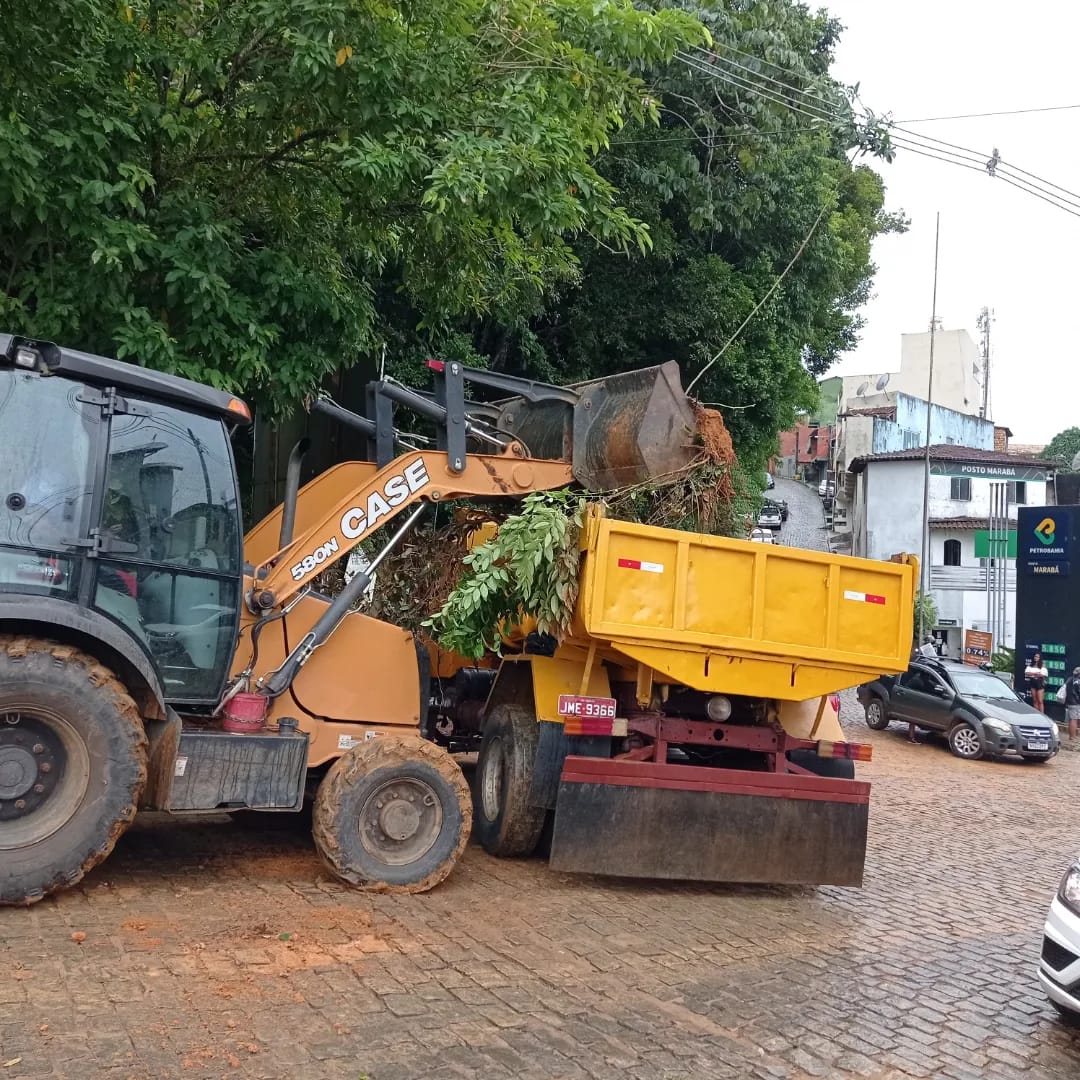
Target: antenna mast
column 934, row 327
column 986, row 317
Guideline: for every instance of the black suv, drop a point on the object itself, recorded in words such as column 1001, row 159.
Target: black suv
column 978, row 712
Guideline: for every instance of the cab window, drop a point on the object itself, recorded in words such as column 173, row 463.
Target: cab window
column 170, row 563
column 46, row 470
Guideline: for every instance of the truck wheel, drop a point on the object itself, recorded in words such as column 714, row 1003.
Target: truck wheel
column 964, row 741
column 876, row 717
column 839, row 768
column 506, row 824
column 72, row 766
column 392, row 815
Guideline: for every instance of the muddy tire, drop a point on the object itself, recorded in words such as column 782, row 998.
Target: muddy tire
column 392, row 815
column 72, row 766
column 506, row 825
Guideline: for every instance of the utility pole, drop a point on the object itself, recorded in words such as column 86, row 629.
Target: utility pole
column 986, row 317
column 923, row 573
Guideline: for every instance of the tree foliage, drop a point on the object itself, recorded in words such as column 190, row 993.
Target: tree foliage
column 241, row 190
column 1064, row 448
column 256, row 193
column 729, row 185
column 529, row 569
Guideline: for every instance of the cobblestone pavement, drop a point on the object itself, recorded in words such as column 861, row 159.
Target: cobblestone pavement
column 805, row 526
column 204, row 949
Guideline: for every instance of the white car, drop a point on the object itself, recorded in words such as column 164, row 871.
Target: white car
column 1059, row 967
column 762, row 536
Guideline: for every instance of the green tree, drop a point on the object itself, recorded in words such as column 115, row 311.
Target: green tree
column 730, row 185
column 241, row 190
column 1063, row 449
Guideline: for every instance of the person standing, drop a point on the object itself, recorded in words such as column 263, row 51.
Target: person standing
column 1072, row 702
column 1036, row 675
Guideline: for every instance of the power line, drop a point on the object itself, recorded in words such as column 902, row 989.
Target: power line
column 916, row 142
column 999, row 174
column 1069, row 208
column 761, row 303
column 738, row 82
column 714, row 57
column 940, row 142
column 1048, row 183
column 947, row 160
column 744, row 84
column 1000, row 167
column 994, row 165
column 979, row 115
column 905, row 142
column 711, row 139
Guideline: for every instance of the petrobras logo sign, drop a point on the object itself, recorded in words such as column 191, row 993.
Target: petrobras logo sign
column 359, row 520
column 1049, row 541
column 1046, row 531
column 1044, row 541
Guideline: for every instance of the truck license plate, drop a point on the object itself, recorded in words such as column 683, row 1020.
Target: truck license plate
column 1038, row 744
column 589, row 708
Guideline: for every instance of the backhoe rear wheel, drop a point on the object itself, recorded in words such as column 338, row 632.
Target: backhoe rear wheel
column 72, row 766
column 506, row 824
column 392, row 815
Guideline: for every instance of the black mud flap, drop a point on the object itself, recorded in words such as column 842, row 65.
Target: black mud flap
column 216, row 770
column 639, row 819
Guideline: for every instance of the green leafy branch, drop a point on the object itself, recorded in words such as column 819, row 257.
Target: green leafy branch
column 530, row 569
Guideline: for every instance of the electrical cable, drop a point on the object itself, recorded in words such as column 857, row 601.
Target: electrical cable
column 741, row 84
column 914, row 142
column 761, row 303
column 979, row 115
column 713, row 57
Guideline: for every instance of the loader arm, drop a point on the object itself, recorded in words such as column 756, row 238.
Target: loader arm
column 408, row 479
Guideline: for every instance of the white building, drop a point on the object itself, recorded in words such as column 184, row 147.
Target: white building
column 958, row 376
column 886, row 519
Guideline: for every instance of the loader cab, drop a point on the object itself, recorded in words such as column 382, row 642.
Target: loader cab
column 118, row 496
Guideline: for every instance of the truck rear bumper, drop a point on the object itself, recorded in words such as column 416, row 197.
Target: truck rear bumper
column 643, row 819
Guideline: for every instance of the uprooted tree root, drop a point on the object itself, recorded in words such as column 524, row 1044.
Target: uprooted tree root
column 698, row 498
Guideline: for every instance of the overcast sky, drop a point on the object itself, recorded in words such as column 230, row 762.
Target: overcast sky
column 1000, row 247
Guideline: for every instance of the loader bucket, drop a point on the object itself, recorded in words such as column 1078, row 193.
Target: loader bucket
column 639, row 819
column 617, row 431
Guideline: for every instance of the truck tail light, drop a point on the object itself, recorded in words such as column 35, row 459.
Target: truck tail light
column 850, row 750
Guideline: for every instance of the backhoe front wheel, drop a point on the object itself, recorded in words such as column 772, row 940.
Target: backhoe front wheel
column 392, row 815
column 506, row 824
column 72, row 766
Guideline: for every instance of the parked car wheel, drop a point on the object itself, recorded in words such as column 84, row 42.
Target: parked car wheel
column 876, row 717
column 965, row 742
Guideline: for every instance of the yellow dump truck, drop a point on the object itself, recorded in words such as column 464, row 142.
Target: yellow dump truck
column 685, row 728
